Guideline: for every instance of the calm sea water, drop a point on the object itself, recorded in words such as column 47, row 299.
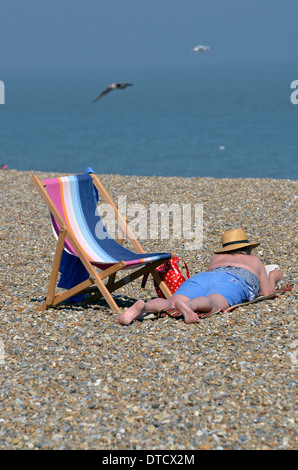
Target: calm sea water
column 220, row 120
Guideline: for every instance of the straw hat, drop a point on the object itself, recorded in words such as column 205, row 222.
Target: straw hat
column 234, row 240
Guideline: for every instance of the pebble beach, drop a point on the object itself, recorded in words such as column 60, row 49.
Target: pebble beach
column 71, row 378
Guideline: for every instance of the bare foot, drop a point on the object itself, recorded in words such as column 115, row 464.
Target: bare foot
column 189, row 315
column 131, row 314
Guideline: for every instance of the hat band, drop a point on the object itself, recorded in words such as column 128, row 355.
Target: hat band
column 234, row 243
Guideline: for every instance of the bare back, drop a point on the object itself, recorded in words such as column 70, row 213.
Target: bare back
column 250, row 262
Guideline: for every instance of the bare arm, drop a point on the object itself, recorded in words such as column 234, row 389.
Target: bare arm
column 268, row 283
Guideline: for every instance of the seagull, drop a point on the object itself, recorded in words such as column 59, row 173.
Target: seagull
column 201, row 49
column 113, row 86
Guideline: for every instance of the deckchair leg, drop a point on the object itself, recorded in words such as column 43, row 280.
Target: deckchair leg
column 161, row 284
column 105, row 292
column 62, row 296
column 111, row 279
column 55, row 268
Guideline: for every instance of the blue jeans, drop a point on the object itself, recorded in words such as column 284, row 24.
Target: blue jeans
column 232, row 287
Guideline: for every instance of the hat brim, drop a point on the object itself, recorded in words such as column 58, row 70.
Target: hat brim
column 236, row 247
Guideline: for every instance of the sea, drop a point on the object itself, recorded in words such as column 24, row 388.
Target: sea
column 204, row 120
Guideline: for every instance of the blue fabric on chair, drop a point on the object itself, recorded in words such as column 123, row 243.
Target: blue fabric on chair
column 72, row 273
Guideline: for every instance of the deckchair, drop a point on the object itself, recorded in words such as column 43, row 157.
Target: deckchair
column 80, row 231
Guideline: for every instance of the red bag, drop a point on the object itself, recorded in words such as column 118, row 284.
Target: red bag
column 170, row 274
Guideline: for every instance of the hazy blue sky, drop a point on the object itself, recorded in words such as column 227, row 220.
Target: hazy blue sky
column 58, row 33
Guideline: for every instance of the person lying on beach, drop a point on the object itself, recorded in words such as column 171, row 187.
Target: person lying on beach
column 234, row 276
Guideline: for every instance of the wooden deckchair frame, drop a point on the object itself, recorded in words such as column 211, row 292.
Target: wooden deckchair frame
column 95, row 278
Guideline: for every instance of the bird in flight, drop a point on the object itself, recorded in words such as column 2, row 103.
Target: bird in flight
column 113, row 86
column 201, row 49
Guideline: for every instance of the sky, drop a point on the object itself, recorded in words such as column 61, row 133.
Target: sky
column 92, row 33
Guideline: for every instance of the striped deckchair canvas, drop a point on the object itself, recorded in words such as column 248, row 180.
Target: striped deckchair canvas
column 80, row 231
